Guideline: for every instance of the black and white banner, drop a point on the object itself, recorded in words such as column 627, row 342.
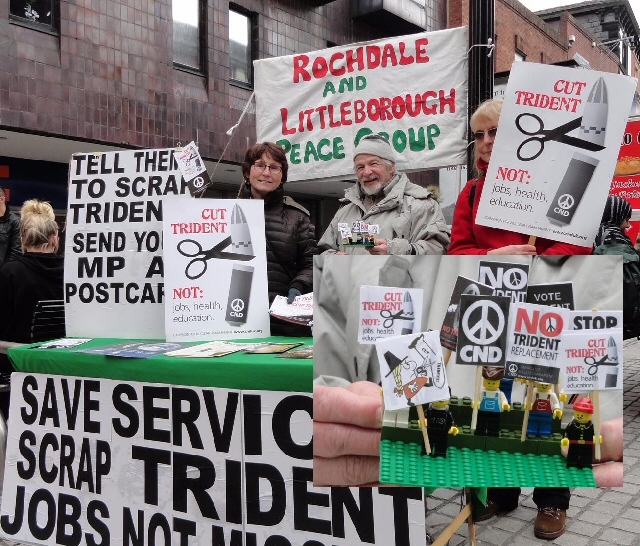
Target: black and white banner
column 100, row 462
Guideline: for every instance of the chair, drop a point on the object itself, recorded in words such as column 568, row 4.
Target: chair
column 48, row 321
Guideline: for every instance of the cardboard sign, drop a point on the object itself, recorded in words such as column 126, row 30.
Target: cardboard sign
column 558, row 294
column 109, row 462
column 451, row 322
column 595, row 320
column 412, row 89
column 535, row 342
column 555, row 152
column 113, row 267
column 626, row 177
column 482, row 336
column 388, row 312
column 412, row 370
column 506, row 278
column 192, row 168
column 216, row 269
column 592, row 360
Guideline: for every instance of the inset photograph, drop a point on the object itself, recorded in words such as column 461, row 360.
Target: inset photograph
column 468, row 371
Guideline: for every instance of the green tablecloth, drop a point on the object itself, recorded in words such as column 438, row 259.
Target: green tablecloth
column 235, row 371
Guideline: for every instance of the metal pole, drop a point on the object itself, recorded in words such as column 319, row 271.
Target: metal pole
column 481, row 28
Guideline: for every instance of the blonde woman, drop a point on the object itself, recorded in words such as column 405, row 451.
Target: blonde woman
column 35, row 275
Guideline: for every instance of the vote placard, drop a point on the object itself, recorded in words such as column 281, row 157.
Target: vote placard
column 557, row 294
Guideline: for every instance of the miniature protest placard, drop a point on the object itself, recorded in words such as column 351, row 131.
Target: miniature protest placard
column 591, row 360
column 216, row 272
column 555, row 151
column 192, row 168
column 506, row 278
column 387, row 312
column 451, row 322
column 318, row 105
column 113, row 266
column 412, row 370
column 482, row 336
column 535, row 342
column 557, row 294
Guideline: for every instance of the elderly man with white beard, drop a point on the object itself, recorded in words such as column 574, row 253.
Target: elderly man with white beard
column 409, row 218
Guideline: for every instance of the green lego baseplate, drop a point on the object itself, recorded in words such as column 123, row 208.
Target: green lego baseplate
column 403, row 464
column 478, row 461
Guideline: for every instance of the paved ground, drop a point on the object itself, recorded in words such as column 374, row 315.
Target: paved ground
column 596, row 517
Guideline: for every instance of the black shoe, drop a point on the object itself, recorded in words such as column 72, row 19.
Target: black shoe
column 491, row 509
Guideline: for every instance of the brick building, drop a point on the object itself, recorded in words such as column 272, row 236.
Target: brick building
column 85, row 76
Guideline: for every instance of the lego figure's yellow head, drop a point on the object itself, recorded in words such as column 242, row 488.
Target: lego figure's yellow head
column 491, row 384
column 440, row 404
column 582, row 417
column 543, row 387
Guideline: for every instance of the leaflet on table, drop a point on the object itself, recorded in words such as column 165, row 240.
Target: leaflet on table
column 214, row 348
column 215, row 269
column 271, row 348
column 300, row 311
column 64, row 343
column 304, row 353
column 134, row 349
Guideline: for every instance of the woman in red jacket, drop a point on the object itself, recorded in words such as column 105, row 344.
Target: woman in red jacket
column 467, row 237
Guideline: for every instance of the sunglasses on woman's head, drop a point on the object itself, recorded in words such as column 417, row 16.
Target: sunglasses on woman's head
column 479, row 135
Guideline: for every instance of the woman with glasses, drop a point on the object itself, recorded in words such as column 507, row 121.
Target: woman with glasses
column 290, row 237
column 467, row 237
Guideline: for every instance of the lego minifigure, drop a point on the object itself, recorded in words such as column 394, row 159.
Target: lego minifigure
column 493, row 402
column 579, row 435
column 440, row 424
column 544, row 407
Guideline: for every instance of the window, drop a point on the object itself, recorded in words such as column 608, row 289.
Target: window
column 188, row 43
column 40, row 14
column 240, row 48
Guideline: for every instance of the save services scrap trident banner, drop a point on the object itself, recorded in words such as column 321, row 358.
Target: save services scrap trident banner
column 412, row 89
column 103, row 462
column 555, row 152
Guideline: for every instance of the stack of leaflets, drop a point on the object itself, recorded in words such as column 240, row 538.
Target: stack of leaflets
column 300, row 311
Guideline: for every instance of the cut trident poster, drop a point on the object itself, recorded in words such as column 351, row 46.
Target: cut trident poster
column 555, row 152
column 216, row 269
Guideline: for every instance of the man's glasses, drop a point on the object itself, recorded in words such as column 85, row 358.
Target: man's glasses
column 479, row 135
column 273, row 169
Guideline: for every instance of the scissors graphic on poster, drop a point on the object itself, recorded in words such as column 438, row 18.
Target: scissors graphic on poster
column 595, row 364
column 533, row 126
column 390, row 318
column 198, row 266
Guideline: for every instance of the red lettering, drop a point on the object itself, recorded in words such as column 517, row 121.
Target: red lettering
column 284, row 115
column 429, row 110
column 320, row 67
column 299, row 63
column 373, row 56
column 389, row 56
column 404, row 60
column 421, row 50
column 345, row 113
column 336, row 71
column 449, row 101
column 355, row 57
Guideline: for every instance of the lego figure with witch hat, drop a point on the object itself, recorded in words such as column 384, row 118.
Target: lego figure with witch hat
column 579, row 435
column 492, row 403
